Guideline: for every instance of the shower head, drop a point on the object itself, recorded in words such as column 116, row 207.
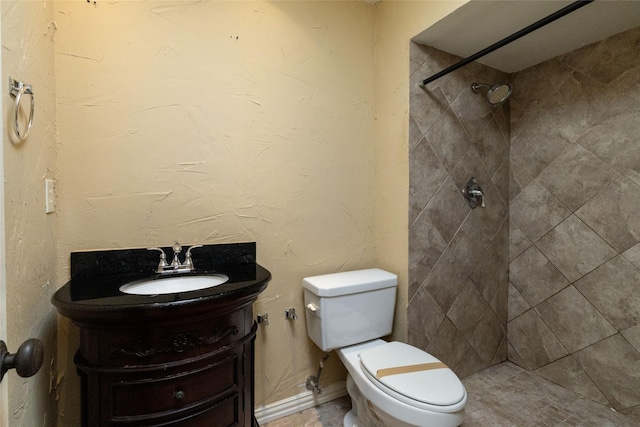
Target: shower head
column 496, row 94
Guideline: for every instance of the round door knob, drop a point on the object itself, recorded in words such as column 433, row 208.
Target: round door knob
column 26, row 361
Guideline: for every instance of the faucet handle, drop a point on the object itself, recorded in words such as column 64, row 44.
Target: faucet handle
column 163, row 259
column 188, row 262
column 176, row 251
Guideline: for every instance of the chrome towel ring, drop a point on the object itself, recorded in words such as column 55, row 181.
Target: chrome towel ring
column 17, row 89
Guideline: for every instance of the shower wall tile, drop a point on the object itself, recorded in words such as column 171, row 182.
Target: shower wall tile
column 535, row 211
column 474, row 112
column 632, row 335
column 619, row 200
column 633, row 255
column 446, row 280
column 488, row 336
column 426, row 175
column 516, row 303
column 468, row 244
column 448, row 139
column 594, row 179
column 446, row 210
column 566, row 247
column 613, row 57
column 535, row 277
column 518, row 241
column 575, row 176
column 573, row 320
column 539, row 142
column 490, row 274
column 620, row 304
column 492, row 147
column 425, row 316
column 501, row 179
column 449, row 243
column 468, row 309
column 533, row 341
column 614, row 138
column 614, row 365
column 449, row 344
column 567, row 373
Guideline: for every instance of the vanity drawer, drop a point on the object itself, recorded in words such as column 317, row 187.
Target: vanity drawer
column 159, row 345
column 155, row 396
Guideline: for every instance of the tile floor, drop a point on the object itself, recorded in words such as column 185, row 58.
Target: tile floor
column 502, row 396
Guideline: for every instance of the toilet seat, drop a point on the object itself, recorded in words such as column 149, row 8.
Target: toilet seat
column 412, row 376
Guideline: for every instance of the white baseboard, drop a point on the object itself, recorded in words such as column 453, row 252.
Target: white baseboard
column 299, row 402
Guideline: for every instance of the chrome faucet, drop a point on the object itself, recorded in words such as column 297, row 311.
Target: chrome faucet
column 175, row 266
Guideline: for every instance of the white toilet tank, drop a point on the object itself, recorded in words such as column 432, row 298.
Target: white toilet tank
column 350, row 307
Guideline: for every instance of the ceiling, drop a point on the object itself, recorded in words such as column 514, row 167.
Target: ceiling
column 481, row 23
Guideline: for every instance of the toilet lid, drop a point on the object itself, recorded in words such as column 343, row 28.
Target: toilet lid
column 412, row 373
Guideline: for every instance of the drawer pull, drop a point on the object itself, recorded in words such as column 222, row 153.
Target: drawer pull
column 178, row 395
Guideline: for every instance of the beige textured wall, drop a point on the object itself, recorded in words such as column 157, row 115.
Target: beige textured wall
column 210, row 122
column 215, row 122
column 28, row 55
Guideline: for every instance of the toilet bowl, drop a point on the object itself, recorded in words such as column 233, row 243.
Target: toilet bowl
column 391, row 384
column 376, row 404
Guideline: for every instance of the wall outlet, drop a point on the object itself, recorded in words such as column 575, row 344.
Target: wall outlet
column 49, row 195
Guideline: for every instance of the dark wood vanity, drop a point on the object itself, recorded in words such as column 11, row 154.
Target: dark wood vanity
column 184, row 359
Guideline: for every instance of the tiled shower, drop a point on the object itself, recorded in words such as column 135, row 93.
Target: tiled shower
column 548, row 274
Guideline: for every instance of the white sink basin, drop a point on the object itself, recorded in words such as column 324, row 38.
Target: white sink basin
column 172, row 285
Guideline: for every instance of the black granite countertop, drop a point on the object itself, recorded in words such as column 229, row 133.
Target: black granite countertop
column 96, row 277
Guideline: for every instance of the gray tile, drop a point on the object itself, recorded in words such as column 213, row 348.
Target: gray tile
column 468, row 244
column 473, row 111
column 614, row 138
column 424, row 315
column 448, row 139
column 518, row 241
column 533, row 340
column 488, row 336
column 633, row 255
column 539, row 141
column 573, row 320
column 468, row 309
column 492, row 147
column 632, row 335
column 446, row 210
column 612, row 57
column 567, row 373
column 566, row 247
column 613, row 289
column 620, row 200
column 469, row 364
column 449, row 344
column 614, row 366
column 426, row 245
column 490, row 274
column 519, row 179
column 535, row 211
column 426, row 175
column 517, row 303
column 445, row 281
column 575, row 176
column 426, row 104
column 535, row 277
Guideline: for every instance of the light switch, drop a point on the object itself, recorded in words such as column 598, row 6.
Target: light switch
column 49, row 195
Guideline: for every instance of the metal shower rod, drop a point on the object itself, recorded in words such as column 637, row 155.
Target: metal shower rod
column 538, row 24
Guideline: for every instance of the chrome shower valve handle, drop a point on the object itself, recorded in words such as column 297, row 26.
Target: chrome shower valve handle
column 473, row 194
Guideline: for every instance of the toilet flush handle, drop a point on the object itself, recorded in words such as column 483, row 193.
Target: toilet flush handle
column 312, row 307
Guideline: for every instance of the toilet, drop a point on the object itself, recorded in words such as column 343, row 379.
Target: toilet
column 391, row 384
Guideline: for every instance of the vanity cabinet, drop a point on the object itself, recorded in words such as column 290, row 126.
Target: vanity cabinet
column 170, row 359
column 195, row 371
